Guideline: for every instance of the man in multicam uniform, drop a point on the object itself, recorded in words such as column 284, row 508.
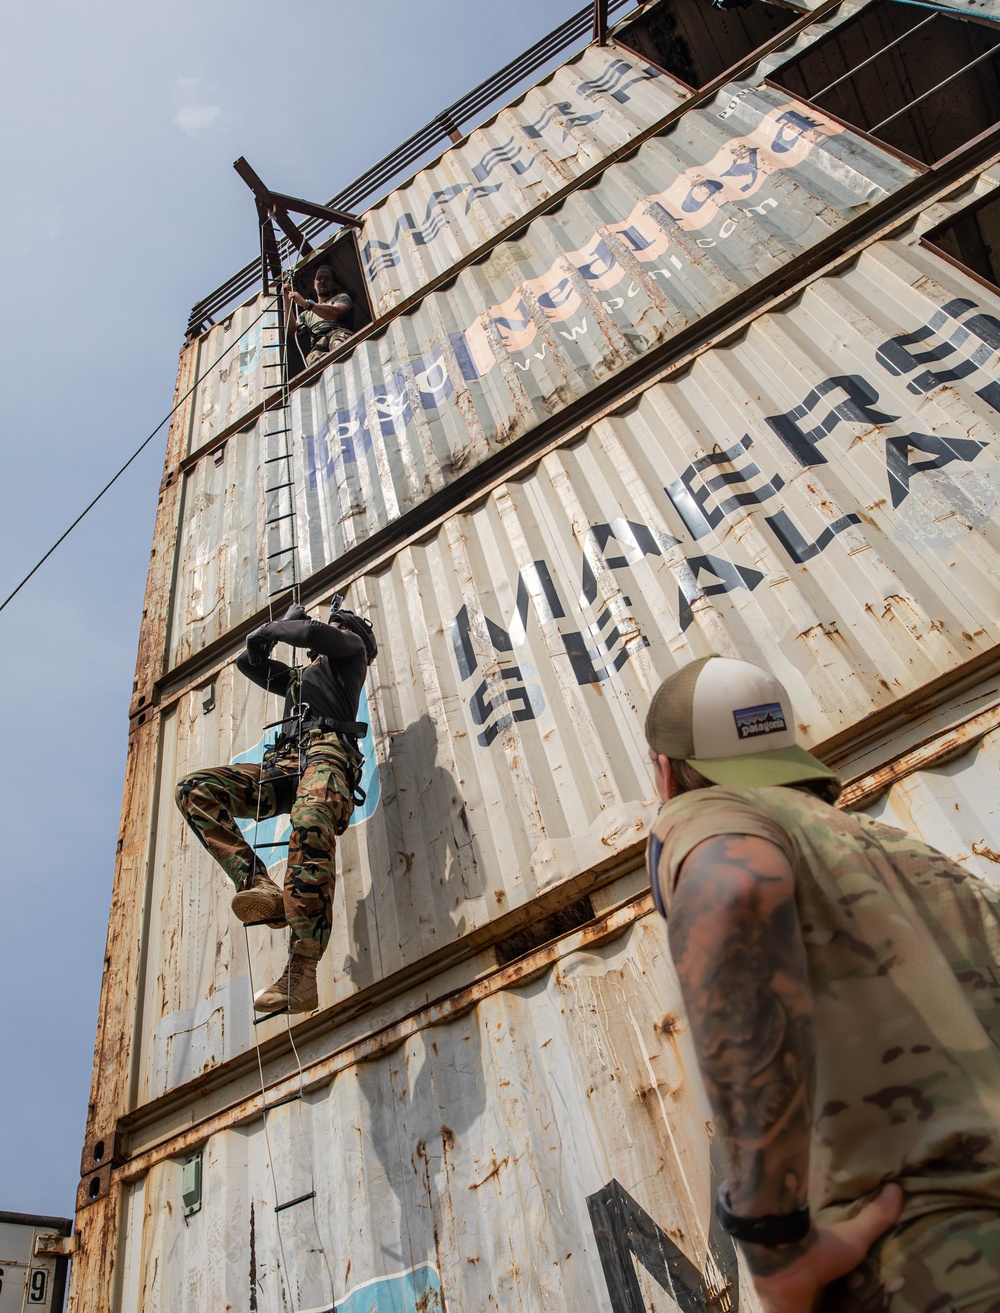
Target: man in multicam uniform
column 313, row 772
column 841, row 981
column 322, row 323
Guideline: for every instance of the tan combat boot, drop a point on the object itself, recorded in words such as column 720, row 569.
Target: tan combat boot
column 294, row 990
column 259, row 901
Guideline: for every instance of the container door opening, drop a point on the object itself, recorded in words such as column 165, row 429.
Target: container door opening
column 919, row 80
column 345, row 278
column 695, row 42
column 971, row 240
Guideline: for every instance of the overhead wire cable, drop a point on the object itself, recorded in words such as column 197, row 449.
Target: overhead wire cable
column 138, row 451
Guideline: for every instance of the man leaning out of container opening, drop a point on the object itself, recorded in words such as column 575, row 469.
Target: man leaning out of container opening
column 320, row 323
column 841, row 982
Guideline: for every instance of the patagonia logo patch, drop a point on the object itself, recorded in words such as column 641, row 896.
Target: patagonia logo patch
column 751, row 722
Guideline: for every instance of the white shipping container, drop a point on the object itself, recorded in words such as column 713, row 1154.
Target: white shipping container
column 29, row 1280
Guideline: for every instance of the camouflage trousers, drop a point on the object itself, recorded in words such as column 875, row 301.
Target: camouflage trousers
column 942, row 1263
column 322, row 346
column 319, row 804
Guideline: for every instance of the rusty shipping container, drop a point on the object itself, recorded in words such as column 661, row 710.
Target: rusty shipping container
column 693, row 365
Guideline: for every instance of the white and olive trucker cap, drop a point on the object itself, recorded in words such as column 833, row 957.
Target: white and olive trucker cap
column 731, row 721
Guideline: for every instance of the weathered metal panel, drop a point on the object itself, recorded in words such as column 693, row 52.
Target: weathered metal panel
column 222, row 577
column 29, row 1280
column 954, row 807
column 558, row 130
column 809, row 497
column 571, row 121
column 411, row 431
column 581, row 294
column 697, row 216
column 690, row 222
column 472, row 1157
column 982, row 8
column 231, row 366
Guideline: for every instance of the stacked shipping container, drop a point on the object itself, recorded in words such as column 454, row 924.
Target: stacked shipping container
column 720, row 396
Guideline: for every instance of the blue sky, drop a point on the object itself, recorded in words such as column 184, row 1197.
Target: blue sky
column 118, row 127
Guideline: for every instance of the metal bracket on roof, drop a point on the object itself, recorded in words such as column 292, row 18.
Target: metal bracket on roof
column 273, row 207
column 55, row 1246
column 277, row 205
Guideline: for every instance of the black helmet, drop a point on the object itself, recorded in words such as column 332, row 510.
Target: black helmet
column 357, row 624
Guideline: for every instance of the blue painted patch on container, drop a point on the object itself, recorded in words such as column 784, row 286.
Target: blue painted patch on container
column 277, row 829
column 417, row 1291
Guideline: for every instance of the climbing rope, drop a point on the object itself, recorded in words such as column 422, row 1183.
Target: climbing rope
column 135, row 455
column 281, row 546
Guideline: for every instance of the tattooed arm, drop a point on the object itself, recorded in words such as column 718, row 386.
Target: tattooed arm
column 737, row 946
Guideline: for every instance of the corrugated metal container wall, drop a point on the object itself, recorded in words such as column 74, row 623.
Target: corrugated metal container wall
column 557, row 131
column 753, row 178
column 844, row 327
column 805, row 497
column 955, row 807
column 481, row 1163
column 589, row 107
column 583, row 292
column 231, row 356
column 538, row 1122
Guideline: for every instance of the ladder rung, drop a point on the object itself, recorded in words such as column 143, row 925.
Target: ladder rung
column 278, row 1103
column 283, row 552
column 271, row 460
column 280, row 1208
column 273, row 925
column 278, row 1012
column 290, row 515
column 278, row 486
column 277, row 844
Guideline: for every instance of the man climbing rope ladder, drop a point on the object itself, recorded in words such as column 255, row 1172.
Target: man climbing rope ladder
column 313, row 772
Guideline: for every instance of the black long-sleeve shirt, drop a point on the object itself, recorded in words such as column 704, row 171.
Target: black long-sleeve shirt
column 337, row 652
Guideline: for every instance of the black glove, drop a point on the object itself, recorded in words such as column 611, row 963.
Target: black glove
column 259, row 645
column 296, row 612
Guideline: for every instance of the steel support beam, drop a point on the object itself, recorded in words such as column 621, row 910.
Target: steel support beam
column 270, row 202
column 601, row 22
column 326, row 212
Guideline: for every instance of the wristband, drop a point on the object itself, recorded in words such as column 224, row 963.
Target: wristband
column 310, row 305
column 770, row 1231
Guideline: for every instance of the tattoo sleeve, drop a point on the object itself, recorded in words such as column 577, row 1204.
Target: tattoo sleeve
column 738, row 950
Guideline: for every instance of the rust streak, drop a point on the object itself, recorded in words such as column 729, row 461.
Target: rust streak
column 490, row 1174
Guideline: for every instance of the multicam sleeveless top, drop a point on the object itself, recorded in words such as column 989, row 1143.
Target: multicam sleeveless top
column 903, row 949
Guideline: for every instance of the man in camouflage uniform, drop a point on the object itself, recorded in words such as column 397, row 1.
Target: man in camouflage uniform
column 322, row 323
column 842, row 985
column 313, row 772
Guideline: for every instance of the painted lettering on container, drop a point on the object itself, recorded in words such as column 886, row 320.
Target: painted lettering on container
column 626, row 1234
column 704, row 495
